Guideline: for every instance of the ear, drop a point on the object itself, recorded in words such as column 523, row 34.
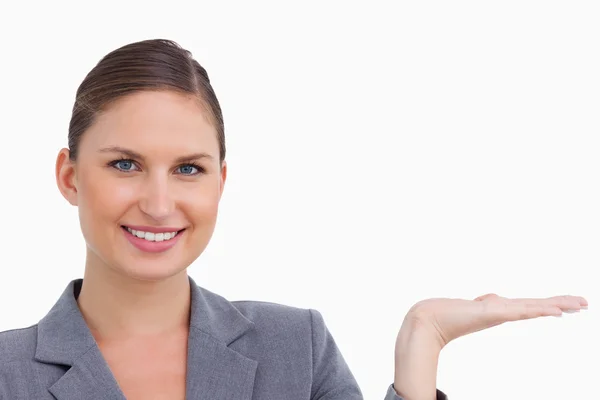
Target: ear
column 223, row 177
column 66, row 178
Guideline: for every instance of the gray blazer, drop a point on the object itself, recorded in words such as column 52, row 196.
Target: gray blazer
column 238, row 350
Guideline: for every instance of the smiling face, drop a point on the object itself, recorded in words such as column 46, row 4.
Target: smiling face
column 147, row 168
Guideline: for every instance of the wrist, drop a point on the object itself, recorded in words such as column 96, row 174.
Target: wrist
column 416, row 360
column 416, row 334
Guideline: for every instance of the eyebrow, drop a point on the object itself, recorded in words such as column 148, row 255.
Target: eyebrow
column 136, row 155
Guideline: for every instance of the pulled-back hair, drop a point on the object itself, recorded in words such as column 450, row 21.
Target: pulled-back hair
column 156, row 64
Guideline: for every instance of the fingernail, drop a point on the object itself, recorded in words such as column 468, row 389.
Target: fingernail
column 571, row 311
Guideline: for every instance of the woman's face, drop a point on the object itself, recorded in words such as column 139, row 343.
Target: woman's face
column 148, row 168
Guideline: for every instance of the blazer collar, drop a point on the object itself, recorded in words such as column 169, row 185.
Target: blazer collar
column 214, row 370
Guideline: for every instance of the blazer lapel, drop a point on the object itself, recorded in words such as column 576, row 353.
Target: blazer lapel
column 214, row 370
column 88, row 378
column 65, row 339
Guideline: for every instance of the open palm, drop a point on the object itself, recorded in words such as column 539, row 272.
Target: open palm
column 449, row 319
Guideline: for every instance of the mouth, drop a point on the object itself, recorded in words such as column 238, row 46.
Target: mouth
column 153, row 236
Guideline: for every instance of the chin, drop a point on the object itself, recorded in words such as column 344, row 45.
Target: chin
column 154, row 271
column 147, row 276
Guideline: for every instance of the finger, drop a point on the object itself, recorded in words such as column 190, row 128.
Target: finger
column 565, row 303
column 520, row 309
column 516, row 311
column 568, row 303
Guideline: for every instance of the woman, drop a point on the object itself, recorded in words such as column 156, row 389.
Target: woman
column 145, row 165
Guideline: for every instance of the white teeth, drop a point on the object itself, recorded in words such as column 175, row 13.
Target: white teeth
column 152, row 237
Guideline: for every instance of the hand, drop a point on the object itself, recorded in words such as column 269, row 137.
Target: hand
column 448, row 319
column 431, row 324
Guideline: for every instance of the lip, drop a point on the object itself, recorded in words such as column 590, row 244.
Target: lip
column 153, row 247
column 153, row 229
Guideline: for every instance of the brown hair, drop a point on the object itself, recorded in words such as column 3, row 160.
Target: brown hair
column 156, row 64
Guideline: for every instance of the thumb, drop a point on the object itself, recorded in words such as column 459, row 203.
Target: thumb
column 488, row 296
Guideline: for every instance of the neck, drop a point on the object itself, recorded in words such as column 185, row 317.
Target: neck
column 116, row 306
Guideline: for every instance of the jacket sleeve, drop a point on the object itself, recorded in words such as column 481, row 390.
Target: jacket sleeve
column 392, row 395
column 331, row 376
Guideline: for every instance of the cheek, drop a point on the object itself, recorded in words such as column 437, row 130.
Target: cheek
column 104, row 196
column 202, row 205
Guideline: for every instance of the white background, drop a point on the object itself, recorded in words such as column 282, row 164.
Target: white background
column 379, row 154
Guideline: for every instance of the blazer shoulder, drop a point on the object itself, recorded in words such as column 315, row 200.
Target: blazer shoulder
column 18, row 344
column 304, row 341
column 276, row 317
column 267, row 306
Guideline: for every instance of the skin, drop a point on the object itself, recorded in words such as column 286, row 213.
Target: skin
column 147, row 287
column 433, row 323
column 133, row 300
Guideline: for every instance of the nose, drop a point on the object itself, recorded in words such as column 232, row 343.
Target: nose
column 156, row 200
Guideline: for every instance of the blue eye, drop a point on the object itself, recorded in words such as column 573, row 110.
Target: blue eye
column 124, row 165
column 189, row 169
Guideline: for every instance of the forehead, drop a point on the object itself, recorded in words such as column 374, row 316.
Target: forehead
column 152, row 121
